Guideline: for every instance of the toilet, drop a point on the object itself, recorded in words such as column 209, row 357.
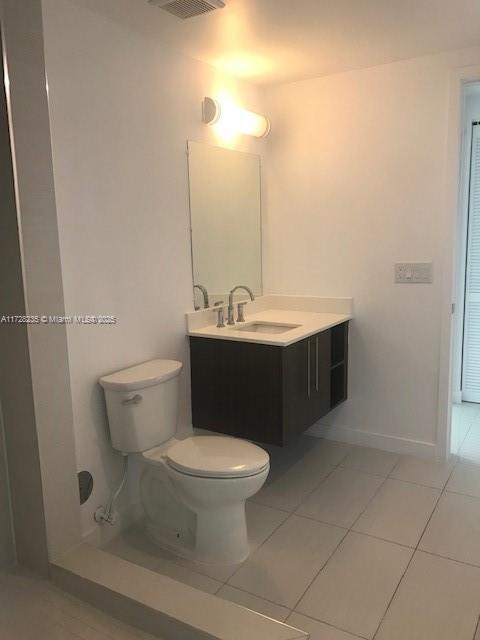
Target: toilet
column 194, row 490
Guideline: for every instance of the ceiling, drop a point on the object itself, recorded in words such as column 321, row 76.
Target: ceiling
column 274, row 41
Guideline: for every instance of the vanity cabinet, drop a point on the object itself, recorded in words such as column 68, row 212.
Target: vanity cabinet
column 269, row 394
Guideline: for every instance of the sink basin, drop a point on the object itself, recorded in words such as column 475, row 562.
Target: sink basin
column 266, row 327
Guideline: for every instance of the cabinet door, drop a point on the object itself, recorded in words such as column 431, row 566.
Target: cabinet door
column 297, row 390
column 320, row 346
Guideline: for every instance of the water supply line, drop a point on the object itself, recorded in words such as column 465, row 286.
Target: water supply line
column 108, row 513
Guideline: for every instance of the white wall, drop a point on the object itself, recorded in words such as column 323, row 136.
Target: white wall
column 122, row 108
column 355, row 182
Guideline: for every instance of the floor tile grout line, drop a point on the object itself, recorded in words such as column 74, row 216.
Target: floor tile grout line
column 477, row 627
column 294, row 513
column 333, row 468
column 327, row 624
column 369, row 535
column 347, row 531
column 257, row 548
column 450, row 559
column 368, row 503
column 255, row 595
column 465, row 436
column 414, row 552
column 420, row 484
column 177, row 561
column 459, row 493
column 339, row 466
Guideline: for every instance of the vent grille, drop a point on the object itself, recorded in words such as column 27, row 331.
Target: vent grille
column 188, row 8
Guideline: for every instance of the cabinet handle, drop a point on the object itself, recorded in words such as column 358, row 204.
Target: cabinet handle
column 316, row 360
column 308, row 367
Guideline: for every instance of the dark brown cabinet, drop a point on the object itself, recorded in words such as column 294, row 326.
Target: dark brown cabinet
column 267, row 393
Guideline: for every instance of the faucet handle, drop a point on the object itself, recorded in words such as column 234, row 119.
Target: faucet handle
column 220, row 317
column 240, row 315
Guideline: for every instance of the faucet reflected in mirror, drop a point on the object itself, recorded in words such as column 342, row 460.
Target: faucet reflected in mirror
column 206, row 302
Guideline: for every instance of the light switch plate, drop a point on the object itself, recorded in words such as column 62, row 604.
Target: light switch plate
column 413, row 272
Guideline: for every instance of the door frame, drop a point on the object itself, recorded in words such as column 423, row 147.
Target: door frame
column 451, row 225
column 462, row 251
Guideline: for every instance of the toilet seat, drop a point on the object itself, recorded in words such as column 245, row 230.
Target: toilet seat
column 214, row 457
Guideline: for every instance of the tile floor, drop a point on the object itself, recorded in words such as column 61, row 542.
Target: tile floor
column 354, row 543
column 34, row 609
column 465, row 437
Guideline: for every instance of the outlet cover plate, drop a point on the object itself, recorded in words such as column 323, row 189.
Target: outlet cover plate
column 413, row 273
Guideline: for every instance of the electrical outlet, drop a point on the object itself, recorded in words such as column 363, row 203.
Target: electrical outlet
column 413, row 273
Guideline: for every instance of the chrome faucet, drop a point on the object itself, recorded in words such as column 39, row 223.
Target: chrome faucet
column 230, row 319
column 206, row 302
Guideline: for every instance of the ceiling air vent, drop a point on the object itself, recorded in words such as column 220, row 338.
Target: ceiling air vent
column 188, row 8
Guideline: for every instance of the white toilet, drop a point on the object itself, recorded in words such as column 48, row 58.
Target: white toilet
column 193, row 490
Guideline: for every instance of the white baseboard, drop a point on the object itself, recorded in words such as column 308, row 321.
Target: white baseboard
column 395, row 444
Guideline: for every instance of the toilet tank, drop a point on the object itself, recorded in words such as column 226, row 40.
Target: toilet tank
column 142, row 404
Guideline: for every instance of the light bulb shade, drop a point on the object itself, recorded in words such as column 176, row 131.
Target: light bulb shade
column 234, row 119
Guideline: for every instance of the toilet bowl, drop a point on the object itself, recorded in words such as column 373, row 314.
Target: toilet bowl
column 193, row 490
column 212, row 476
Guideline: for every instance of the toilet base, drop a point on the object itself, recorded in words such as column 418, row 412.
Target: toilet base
column 201, row 519
column 206, row 545
column 221, row 535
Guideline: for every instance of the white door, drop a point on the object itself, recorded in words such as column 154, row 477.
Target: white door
column 471, row 332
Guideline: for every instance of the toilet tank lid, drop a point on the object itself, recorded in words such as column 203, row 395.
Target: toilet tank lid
column 140, row 376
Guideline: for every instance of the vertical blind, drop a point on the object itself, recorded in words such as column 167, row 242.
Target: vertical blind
column 471, row 333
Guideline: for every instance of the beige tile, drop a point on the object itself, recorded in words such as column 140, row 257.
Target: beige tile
column 135, row 547
column 281, row 569
column 318, row 630
column 470, row 448
column 398, row 512
column 25, row 615
column 374, row 461
column 160, row 596
column 254, row 603
column 437, row 600
column 353, row 590
column 431, row 473
column 66, row 611
column 261, row 523
column 295, row 473
column 341, row 498
column 465, row 479
column 289, row 490
column 462, row 418
column 325, row 452
column 454, row 530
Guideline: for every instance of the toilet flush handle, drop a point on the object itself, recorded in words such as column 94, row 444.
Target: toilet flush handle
column 137, row 399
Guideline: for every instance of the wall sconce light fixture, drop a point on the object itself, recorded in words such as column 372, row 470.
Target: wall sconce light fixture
column 234, row 119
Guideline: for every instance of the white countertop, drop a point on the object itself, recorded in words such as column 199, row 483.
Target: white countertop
column 310, row 322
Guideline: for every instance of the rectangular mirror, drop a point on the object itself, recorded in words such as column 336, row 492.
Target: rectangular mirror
column 225, row 210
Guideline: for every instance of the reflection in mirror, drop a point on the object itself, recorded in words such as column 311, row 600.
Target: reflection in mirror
column 225, row 210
